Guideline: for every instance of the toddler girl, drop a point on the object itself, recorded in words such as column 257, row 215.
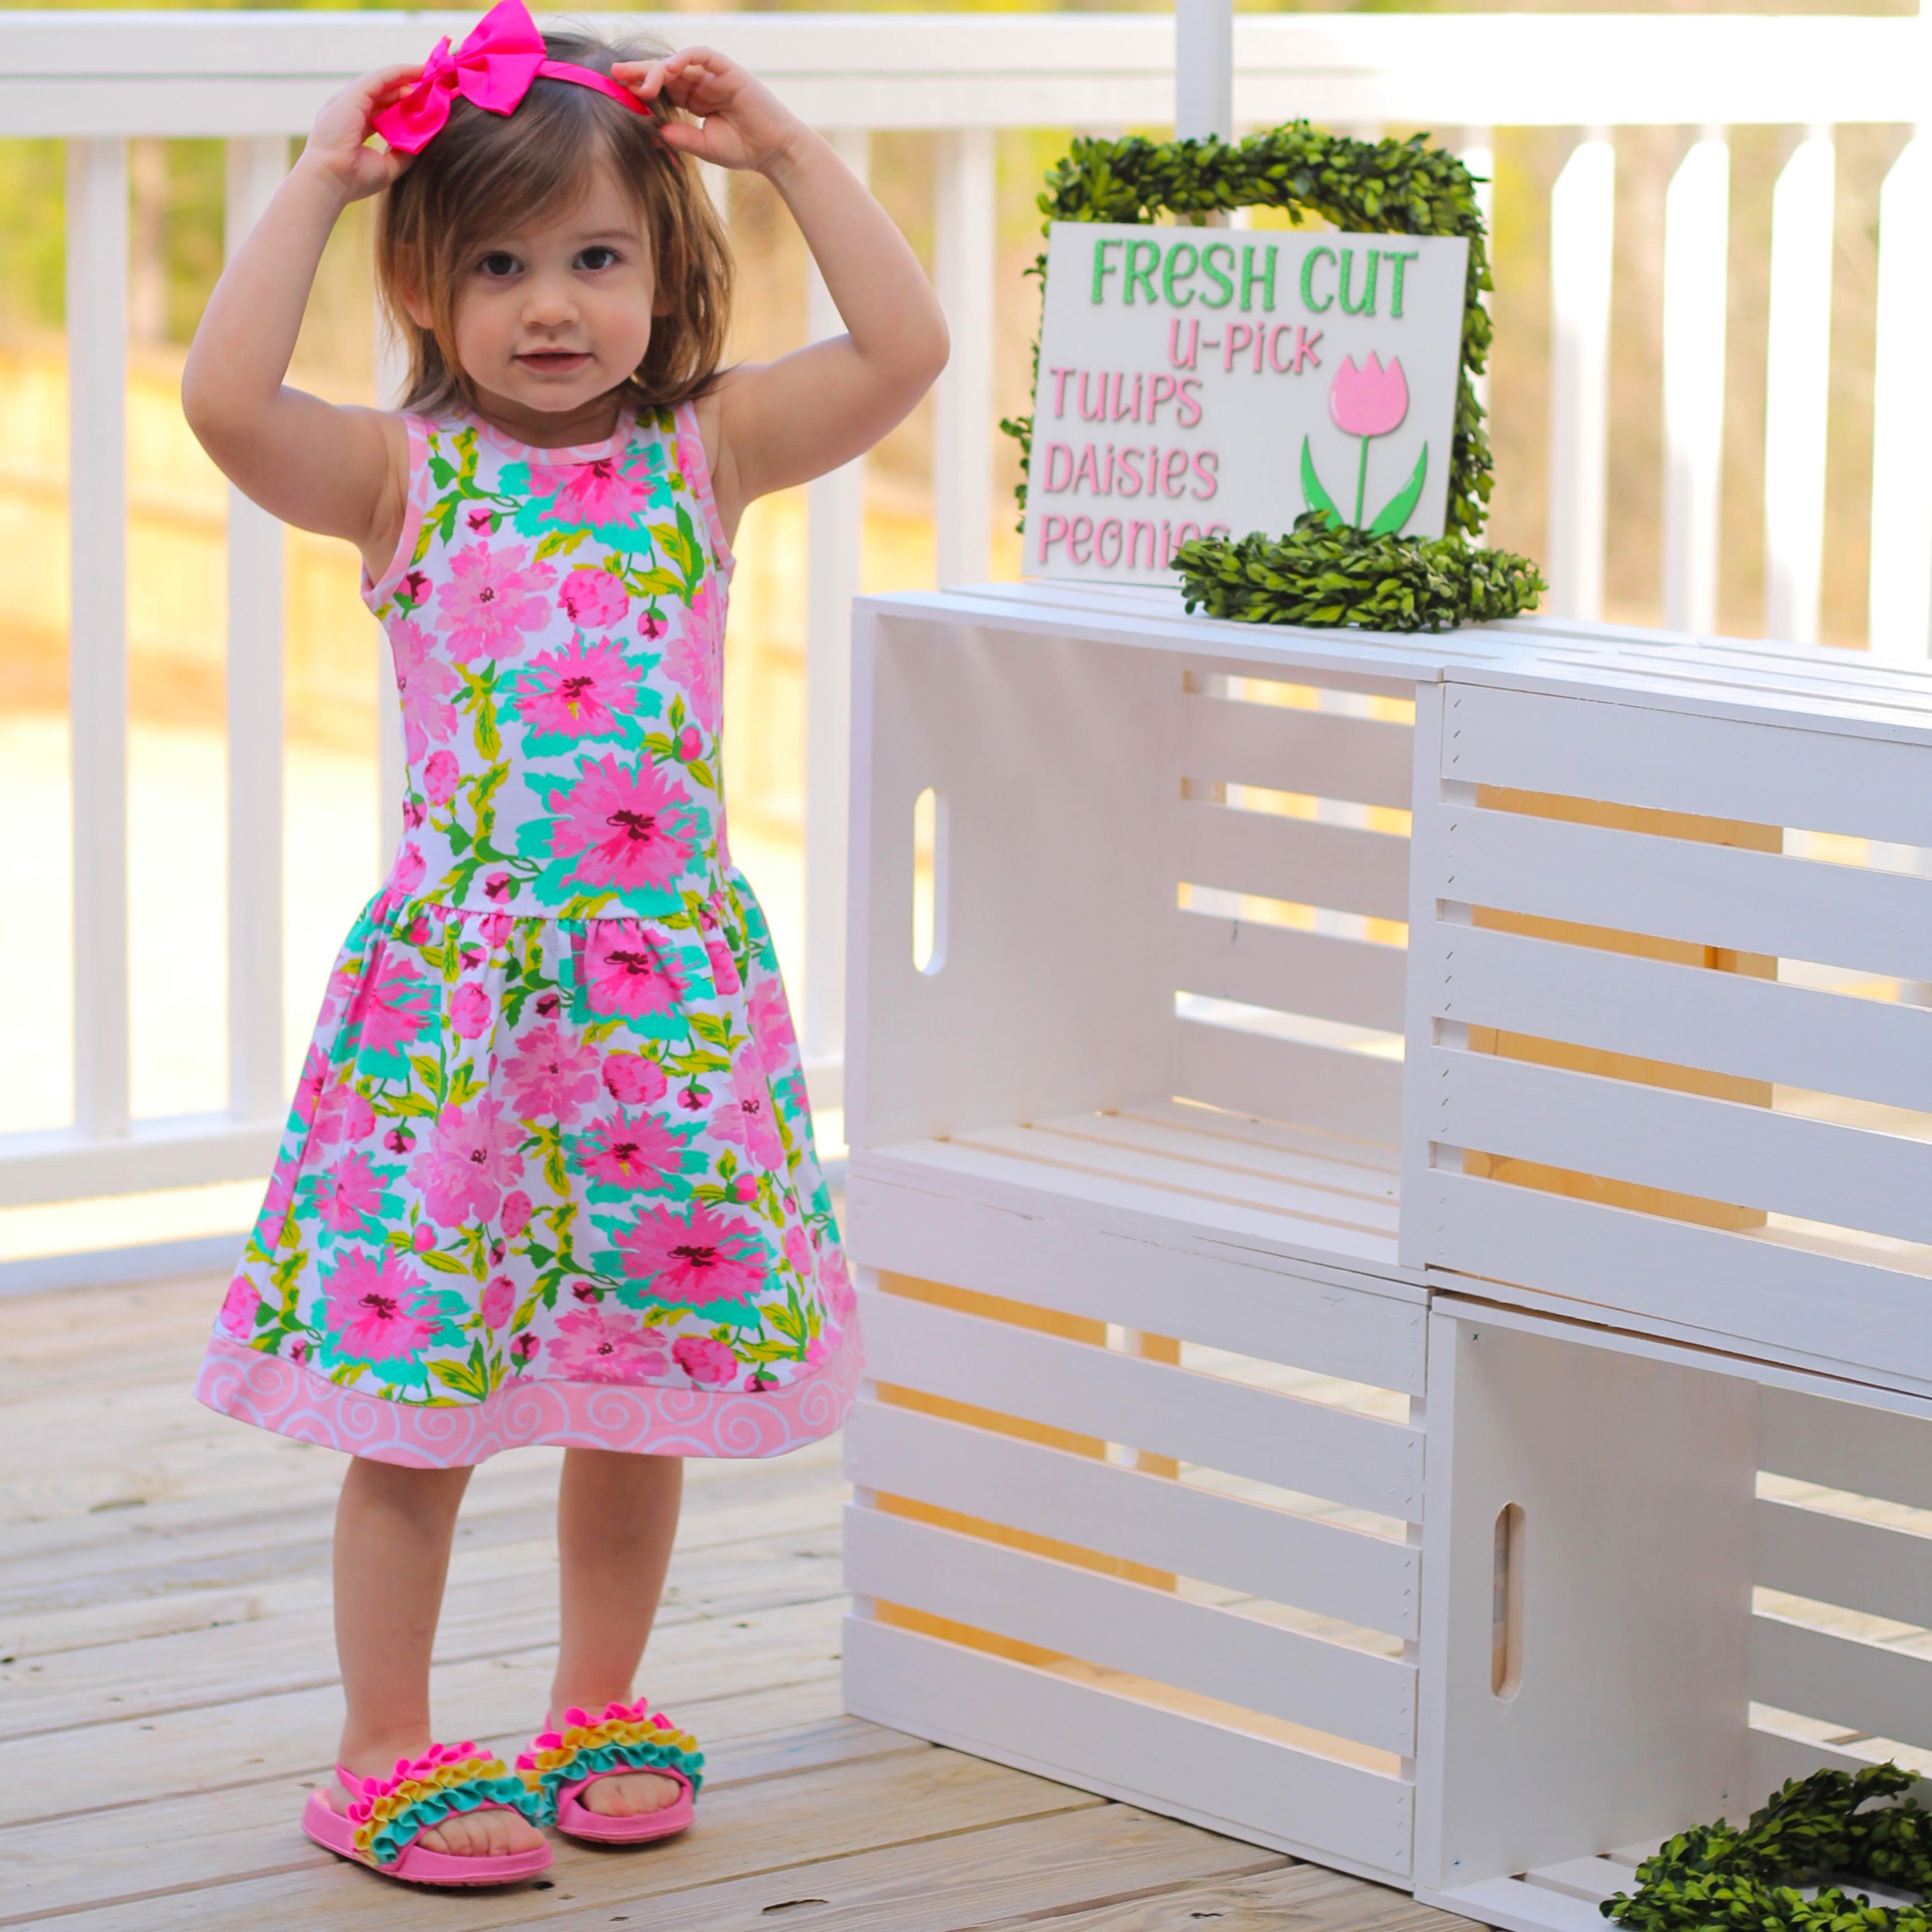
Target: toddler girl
column 549, row 1176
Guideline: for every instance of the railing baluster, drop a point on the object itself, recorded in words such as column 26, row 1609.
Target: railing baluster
column 962, row 483
column 836, row 536
column 1582, row 208
column 1900, row 623
column 256, row 166
column 1697, row 231
column 1479, row 156
column 97, row 348
column 1798, row 390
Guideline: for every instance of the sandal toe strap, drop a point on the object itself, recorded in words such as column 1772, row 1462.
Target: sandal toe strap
column 628, row 1737
column 391, row 1813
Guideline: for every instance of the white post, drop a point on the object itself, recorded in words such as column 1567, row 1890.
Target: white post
column 836, row 520
column 97, row 348
column 1204, row 69
column 1798, row 382
column 1696, row 229
column 962, row 483
column 392, row 372
column 1479, row 157
column 1901, row 625
column 256, row 166
column 1582, row 210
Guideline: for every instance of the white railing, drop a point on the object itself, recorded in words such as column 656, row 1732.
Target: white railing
column 255, row 78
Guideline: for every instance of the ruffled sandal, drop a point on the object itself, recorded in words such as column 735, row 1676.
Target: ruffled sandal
column 387, row 1815
column 627, row 1738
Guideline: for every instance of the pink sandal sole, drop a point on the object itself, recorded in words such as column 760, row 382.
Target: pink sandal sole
column 577, row 1821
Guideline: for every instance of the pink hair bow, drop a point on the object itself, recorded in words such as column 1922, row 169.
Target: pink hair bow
column 493, row 69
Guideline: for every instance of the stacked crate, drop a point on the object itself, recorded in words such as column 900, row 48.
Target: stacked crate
column 1677, row 1226
column 1353, row 1317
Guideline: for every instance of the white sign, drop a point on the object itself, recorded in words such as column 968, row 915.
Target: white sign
column 1211, row 382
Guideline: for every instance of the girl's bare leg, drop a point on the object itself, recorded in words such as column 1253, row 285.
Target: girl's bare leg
column 393, row 1528
column 616, row 1515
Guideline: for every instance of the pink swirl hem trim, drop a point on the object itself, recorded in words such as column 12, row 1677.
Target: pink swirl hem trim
column 293, row 1400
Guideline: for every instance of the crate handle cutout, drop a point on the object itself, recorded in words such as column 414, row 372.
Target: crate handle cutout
column 1506, row 1605
column 929, row 818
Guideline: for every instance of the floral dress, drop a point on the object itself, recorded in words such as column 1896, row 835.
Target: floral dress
column 549, row 1175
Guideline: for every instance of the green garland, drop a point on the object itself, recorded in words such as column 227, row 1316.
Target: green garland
column 1716, row 1878
column 1320, row 573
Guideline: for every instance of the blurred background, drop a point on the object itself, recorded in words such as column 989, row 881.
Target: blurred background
column 176, row 585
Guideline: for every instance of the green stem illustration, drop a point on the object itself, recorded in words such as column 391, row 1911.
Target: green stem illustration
column 1361, row 482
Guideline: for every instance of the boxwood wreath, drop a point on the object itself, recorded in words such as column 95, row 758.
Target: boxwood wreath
column 1814, row 1832
column 1323, row 571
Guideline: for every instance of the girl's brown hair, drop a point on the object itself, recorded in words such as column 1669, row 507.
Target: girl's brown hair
column 485, row 173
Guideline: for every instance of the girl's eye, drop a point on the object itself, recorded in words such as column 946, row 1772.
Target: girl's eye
column 598, row 257
column 499, row 263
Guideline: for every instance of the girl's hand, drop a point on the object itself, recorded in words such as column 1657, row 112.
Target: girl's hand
column 336, row 144
column 745, row 125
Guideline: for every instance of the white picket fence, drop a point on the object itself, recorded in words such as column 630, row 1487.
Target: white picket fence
column 255, row 78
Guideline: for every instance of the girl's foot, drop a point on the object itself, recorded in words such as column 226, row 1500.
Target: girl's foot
column 635, row 1795
column 492, row 1834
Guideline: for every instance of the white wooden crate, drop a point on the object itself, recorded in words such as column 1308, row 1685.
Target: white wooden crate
column 1602, row 1125
column 1722, row 1578
column 1139, row 1465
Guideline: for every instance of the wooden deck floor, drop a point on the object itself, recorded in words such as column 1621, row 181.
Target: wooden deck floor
column 167, row 1697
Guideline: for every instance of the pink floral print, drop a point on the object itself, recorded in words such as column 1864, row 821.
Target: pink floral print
column 594, row 599
column 466, row 1163
column 491, row 598
column 581, row 692
column 629, row 972
column 376, row 1313
column 607, row 490
column 552, row 1127
column 592, row 1346
column 698, row 1258
column 629, row 826
column 425, row 684
column 630, row 1150
column 554, row 1075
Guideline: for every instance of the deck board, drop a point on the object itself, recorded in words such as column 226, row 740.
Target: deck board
column 164, row 1612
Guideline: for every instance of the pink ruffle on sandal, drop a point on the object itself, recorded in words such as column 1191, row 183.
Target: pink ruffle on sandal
column 387, row 1815
column 627, row 1738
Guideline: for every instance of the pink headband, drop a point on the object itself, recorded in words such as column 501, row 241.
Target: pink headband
column 493, row 69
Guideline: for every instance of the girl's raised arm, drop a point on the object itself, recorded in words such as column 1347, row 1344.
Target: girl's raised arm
column 343, row 472
column 779, row 423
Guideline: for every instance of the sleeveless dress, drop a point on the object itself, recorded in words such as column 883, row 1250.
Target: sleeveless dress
column 549, row 1175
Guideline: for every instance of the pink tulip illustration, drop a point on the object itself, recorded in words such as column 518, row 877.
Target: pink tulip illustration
column 1368, row 402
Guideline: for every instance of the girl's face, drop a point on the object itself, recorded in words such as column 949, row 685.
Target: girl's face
column 556, row 315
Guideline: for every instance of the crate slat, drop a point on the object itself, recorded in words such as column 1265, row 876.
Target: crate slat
column 1152, row 1633
column 1718, row 1150
column 1869, row 1566
column 1337, row 1089
column 1722, row 1022
column 1710, row 895
column 1149, row 1520
column 1734, row 1289
column 931, row 1218
column 1067, row 1146
column 1301, row 860
column 1316, row 754
column 1295, row 1445
column 1168, row 1761
column 1842, row 1680
column 1869, row 786
column 1354, row 980
column 1844, row 1445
